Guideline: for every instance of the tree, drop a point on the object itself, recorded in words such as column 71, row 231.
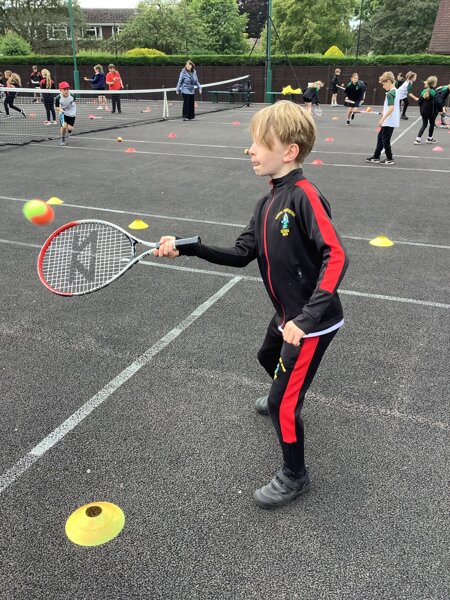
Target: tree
column 170, row 26
column 224, row 26
column 31, row 19
column 305, row 27
column 11, row 44
column 256, row 10
column 399, row 27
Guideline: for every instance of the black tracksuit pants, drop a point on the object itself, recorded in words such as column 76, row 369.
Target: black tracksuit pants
column 49, row 103
column 384, row 142
column 426, row 119
column 292, row 369
column 188, row 106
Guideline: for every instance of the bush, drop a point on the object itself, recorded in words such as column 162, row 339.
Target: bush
column 144, row 52
column 11, row 44
column 333, row 51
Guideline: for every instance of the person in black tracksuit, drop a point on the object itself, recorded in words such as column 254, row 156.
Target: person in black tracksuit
column 355, row 92
column 302, row 262
column 47, row 83
column 429, row 108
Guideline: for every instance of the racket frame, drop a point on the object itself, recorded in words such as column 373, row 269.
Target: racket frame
column 134, row 241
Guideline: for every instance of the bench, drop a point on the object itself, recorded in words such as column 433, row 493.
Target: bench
column 246, row 95
column 274, row 95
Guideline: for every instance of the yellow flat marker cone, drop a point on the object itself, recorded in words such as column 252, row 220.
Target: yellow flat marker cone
column 54, row 200
column 95, row 524
column 137, row 224
column 381, row 241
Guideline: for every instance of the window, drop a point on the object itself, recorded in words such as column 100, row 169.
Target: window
column 95, row 31
column 116, row 29
column 58, row 32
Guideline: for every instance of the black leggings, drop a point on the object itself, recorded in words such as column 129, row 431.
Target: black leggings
column 405, row 105
column 188, row 106
column 425, row 121
column 9, row 103
column 384, row 142
column 49, row 107
column 115, row 99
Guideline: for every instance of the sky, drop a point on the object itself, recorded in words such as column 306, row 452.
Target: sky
column 108, row 3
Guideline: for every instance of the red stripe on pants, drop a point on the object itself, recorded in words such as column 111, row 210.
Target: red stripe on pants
column 294, row 386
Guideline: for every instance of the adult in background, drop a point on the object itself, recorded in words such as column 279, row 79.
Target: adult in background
column 186, row 85
column 98, row 82
column 35, row 80
column 114, row 81
column 47, row 83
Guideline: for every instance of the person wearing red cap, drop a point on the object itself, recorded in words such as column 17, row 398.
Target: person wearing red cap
column 67, row 109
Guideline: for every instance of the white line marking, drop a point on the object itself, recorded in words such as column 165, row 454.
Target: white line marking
column 405, row 131
column 77, row 417
column 203, row 157
column 20, row 244
column 218, row 223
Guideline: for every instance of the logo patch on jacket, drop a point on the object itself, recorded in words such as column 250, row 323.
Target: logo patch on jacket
column 284, row 223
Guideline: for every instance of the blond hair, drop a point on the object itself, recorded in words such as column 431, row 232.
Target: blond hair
column 387, row 76
column 431, row 82
column 15, row 79
column 410, row 75
column 48, row 79
column 289, row 123
column 99, row 68
column 315, row 84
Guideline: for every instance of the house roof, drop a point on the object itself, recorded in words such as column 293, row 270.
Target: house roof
column 440, row 39
column 103, row 16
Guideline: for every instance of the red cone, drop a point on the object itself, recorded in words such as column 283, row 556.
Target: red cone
column 130, row 150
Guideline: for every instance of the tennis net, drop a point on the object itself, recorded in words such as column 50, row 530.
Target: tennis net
column 96, row 111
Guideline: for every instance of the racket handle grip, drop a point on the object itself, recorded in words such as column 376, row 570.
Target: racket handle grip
column 187, row 241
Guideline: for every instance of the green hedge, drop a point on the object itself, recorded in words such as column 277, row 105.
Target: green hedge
column 220, row 60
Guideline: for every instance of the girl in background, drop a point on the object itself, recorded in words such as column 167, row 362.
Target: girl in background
column 98, row 82
column 429, row 109
column 311, row 94
column 47, row 83
column 13, row 82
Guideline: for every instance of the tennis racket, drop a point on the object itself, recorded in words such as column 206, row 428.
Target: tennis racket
column 61, row 119
column 85, row 256
column 349, row 101
column 317, row 111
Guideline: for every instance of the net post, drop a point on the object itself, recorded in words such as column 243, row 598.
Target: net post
column 165, row 106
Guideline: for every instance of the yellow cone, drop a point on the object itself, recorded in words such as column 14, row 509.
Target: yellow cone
column 54, row 200
column 381, row 241
column 138, row 224
column 95, row 524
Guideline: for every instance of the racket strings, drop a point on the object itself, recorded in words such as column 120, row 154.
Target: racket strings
column 85, row 257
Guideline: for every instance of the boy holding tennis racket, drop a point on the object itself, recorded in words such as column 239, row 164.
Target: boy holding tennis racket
column 302, row 262
column 67, row 109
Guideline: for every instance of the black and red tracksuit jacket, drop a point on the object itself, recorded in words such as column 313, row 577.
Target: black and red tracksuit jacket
column 301, row 257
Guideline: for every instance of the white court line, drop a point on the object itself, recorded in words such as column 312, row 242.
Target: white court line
column 172, row 143
column 405, row 131
column 258, row 279
column 209, row 156
column 23, row 464
column 205, row 222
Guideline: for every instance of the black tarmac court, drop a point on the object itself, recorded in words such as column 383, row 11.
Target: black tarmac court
column 143, row 394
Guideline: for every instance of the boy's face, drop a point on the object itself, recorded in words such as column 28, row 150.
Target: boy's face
column 273, row 163
column 387, row 85
column 355, row 79
column 65, row 92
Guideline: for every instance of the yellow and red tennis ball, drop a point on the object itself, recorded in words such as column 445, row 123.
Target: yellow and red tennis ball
column 246, row 151
column 119, row 139
column 38, row 212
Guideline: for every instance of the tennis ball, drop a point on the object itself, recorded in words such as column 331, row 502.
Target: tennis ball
column 246, row 151
column 119, row 139
column 38, row 212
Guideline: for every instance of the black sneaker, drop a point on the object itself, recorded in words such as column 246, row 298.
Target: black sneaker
column 388, row 161
column 404, row 117
column 281, row 490
column 353, row 116
column 431, row 141
column 261, row 405
column 348, row 122
column 372, row 159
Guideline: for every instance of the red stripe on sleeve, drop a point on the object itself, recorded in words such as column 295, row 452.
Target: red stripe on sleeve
column 294, row 386
column 336, row 260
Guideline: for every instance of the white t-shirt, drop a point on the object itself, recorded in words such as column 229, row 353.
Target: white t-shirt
column 392, row 99
column 404, row 90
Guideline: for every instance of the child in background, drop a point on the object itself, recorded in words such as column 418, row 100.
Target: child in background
column 429, row 108
column 35, row 81
column 354, row 96
column 442, row 93
column 12, row 82
column 98, row 82
column 311, row 94
column 390, row 119
column 335, row 85
column 114, row 81
column 65, row 104
column 302, row 262
column 47, row 83
column 404, row 90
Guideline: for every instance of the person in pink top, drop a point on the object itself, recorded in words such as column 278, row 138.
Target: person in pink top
column 114, row 81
